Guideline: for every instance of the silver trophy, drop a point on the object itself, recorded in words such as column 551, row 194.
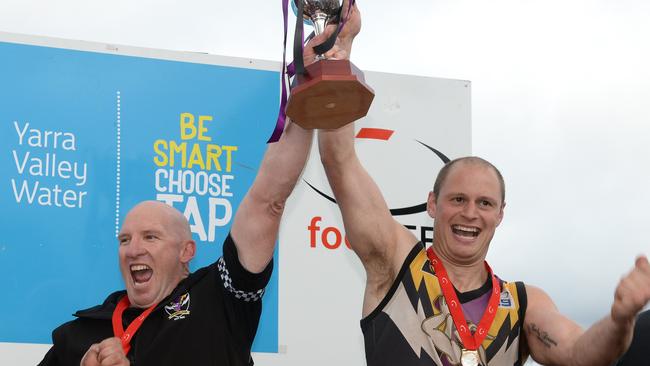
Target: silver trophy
column 318, row 14
column 328, row 93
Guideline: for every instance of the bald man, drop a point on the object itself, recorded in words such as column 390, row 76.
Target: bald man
column 169, row 316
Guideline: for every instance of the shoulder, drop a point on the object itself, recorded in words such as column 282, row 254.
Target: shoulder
column 91, row 325
column 542, row 310
column 104, row 310
column 539, row 304
column 538, row 298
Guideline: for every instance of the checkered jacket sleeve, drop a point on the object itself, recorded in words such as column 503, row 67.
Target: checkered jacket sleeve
column 239, row 282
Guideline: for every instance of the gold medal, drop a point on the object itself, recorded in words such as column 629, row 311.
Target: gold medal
column 469, row 358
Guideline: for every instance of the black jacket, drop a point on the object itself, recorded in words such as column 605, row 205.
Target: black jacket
column 209, row 319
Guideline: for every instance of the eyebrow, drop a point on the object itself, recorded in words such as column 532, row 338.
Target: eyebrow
column 480, row 198
column 492, row 201
column 487, row 198
column 151, row 231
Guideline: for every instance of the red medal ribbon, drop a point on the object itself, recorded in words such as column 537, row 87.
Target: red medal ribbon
column 470, row 341
column 118, row 329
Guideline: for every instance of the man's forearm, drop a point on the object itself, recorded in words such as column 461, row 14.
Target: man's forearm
column 336, row 146
column 602, row 343
column 282, row 165
column 609, row 338
column 257, row 220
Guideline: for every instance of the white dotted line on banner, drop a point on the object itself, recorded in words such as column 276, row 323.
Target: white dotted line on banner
column 117, row 171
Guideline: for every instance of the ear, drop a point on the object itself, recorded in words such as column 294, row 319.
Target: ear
column 188, row 250
column 500, row 217
column 431, row 204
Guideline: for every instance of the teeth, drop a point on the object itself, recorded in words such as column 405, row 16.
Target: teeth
column 466, row 228
column 139, row 267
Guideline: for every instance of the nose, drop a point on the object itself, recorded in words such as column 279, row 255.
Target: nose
column 470, row 210
column 134, row 248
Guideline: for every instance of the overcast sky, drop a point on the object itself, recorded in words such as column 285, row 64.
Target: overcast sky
column 560, row 94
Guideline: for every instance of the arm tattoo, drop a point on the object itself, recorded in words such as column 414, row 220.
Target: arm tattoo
column 542, row 336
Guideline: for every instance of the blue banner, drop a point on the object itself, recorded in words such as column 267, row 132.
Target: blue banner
column 84, row 136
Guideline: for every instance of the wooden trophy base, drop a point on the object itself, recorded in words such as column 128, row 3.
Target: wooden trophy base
column 331, row 94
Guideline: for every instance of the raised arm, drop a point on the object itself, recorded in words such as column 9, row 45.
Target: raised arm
column 554, row 339
column 381, row 243
column 256, row 223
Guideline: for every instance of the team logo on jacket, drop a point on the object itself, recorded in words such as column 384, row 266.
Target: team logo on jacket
column 506, row 301
column 180, row 308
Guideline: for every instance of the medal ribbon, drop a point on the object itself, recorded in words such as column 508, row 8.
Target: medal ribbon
column 118, row 329
column 470, row 342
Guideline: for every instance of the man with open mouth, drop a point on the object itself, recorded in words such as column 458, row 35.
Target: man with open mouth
column 443, row 305
column 169, row 316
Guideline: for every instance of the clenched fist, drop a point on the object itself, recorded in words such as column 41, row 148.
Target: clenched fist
column 632, row 292
column 343, row 45
column 106, row 353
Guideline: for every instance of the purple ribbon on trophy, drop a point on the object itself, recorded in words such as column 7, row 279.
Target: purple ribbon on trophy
column 288, row 71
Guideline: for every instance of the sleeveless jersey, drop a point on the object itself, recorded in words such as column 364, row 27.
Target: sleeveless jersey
column 412, row 324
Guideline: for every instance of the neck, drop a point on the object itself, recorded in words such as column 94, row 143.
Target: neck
column 464, row 276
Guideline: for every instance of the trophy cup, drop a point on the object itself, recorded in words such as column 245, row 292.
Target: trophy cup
column 330, row 93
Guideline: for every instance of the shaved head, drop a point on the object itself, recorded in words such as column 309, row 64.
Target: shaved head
column 475, row 160
column 174, row 219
